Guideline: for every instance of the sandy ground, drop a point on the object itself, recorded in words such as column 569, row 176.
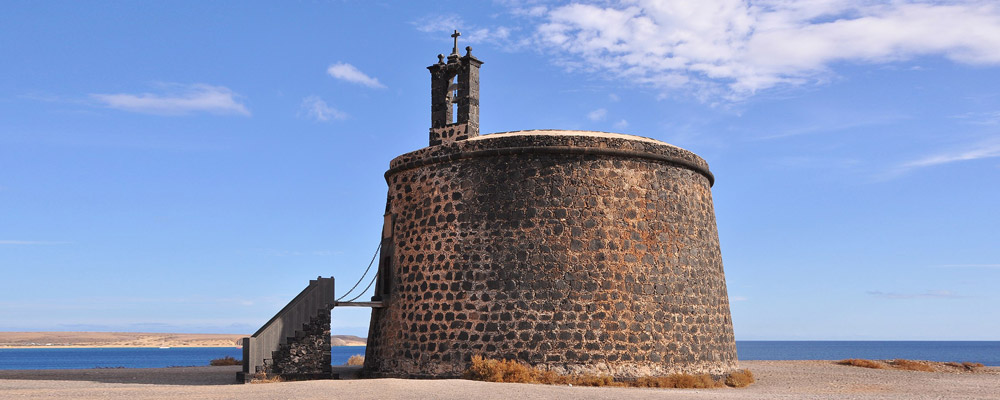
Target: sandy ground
column 132, row 339
column 775, row 380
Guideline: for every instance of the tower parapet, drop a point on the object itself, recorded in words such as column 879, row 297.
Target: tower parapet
column 454, row 96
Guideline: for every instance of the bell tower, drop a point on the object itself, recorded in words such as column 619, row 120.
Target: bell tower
column 454, row 96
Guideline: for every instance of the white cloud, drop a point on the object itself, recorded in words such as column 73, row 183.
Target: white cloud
column 732, row 48
column 349, row 73
column 614, row 97
column 536, row 11
column 597, row 115
column 315, row 108
column 179, row 100
column 439, row 23
column 621, row 124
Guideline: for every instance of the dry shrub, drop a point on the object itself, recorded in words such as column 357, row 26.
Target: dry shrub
column 356, row 359
column 740, row 378
column 966, row 366
column 910, row 365
column 487, row 370
column 858, row 362
column 678, row 381
column 549, row 377
column 263, row 377
column 511, row 371
column 227, row 360
column 591, row 380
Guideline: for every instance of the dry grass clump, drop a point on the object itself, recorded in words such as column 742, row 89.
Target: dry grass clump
column 677, row 381
column 356, row 359
column 227, row 360
column 913, row 365
column 910, row 365
column 740, row 378
column 967, row 366
column 488, row 370
column 858, row 362
column 263, row 377
column 511, row 371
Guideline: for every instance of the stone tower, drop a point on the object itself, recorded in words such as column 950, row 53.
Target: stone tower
column 454, row 96
column 582, row 252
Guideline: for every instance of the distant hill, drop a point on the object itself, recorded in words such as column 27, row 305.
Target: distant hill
column 347, row 340
column 116, row 339
column 138, row 339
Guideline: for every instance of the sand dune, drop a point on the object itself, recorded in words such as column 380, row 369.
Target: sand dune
column 135, row 339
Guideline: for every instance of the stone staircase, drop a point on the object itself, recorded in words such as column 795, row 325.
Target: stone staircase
column 295, row 343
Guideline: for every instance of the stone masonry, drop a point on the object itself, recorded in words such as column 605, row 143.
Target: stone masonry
column 583, row 252
column 455, row 83
column 307, row 355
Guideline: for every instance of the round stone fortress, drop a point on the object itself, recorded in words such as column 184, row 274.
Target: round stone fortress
column 586, row 252
column 580, row 252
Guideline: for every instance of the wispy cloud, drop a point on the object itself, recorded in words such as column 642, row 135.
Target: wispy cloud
column 622, row 124
column 27, row 242
column 930, row 294
column 987, row 266
column 987, row 149
column 833, row 122
column 732, row 49
column 984, row 149
column 980, row 118
column 178, row 99
column 347, row 72
column 500, row 36
column 317, row 109
column 597, row 115
column 809, row 161
column 438, row 23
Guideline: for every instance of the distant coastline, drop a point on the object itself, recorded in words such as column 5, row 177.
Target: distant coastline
column 29, row 340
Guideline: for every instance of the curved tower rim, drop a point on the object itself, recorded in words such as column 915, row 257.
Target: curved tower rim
column 552, row 141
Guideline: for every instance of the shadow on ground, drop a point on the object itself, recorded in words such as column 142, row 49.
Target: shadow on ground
column 155, row 376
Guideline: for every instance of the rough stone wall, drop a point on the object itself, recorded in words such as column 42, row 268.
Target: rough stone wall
column 308, row 353
column 446, row 127
column 449, row 133
column 543, row 249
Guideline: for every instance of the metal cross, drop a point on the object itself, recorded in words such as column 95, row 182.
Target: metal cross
column 454, row 50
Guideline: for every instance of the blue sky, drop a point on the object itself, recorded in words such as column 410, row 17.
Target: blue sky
column 188, row 166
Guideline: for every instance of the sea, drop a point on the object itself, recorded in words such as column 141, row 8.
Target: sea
column 985, row 352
